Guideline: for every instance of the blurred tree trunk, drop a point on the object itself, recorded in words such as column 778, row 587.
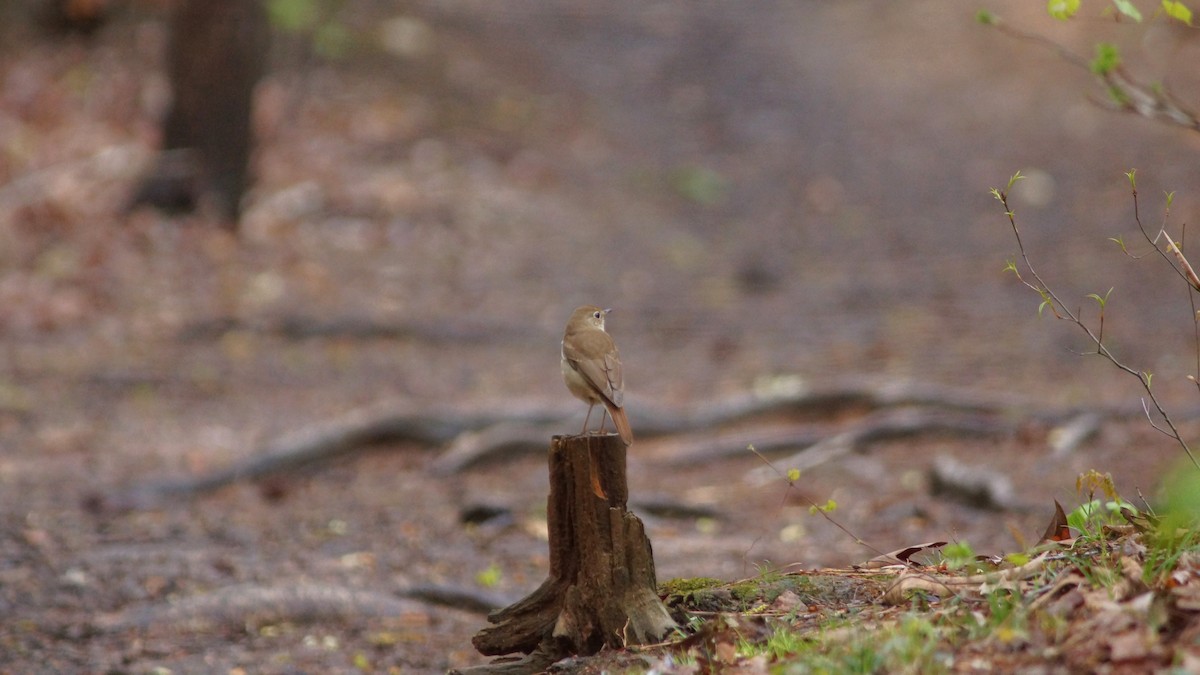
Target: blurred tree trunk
column 74, row 16
column 217, row 54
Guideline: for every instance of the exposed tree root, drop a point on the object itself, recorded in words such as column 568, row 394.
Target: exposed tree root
column 236, row 606
column 474, row 439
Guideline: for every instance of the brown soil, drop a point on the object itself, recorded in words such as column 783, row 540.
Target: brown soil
column 763, row 189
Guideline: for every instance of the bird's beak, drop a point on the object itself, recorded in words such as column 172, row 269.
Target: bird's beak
column 608, row 310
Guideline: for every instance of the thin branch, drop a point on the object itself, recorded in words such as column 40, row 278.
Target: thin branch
column 1128, row 95
column 1168, row 425
column 816, row 508
column 1162, row 232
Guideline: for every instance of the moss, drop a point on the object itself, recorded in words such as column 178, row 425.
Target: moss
column 686, row 586
column 758, row 593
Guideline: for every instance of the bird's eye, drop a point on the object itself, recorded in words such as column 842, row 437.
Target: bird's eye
column 596, row 314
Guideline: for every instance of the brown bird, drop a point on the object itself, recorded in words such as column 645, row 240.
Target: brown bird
column 591, row 367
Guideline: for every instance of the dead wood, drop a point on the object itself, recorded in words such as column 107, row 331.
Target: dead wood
column 936, row 410
column 478, row 438
column 691, row 449
column 354, row 432
column 237, row 606
column 798, row 399
column 601, row 589
column 499, row 442
column 466, row 599
column 979, row 486
column 947, row 585
column 300, row 327
column 537, row 661
column 887, row 426
column 667, row 507
column 1067, row 437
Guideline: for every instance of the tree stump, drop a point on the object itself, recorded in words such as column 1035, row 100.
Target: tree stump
column 601, row 590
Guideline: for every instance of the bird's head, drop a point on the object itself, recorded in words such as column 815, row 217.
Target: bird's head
column 587, row 316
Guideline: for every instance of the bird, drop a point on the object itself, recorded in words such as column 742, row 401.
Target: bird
column 591, row 368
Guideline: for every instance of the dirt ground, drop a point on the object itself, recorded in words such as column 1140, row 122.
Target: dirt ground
column 762, row 190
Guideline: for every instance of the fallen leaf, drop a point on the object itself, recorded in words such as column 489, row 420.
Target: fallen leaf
column 900, row 556
column 1058, row 529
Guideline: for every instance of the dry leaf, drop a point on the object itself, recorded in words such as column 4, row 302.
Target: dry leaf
column 1058, row 530
column 900, row 556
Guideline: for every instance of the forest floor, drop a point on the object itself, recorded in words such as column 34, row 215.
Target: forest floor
column 777, row 199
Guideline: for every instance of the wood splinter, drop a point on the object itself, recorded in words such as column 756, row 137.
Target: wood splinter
column 601, row 590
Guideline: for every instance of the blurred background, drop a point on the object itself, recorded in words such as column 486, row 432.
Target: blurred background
column 759, row 189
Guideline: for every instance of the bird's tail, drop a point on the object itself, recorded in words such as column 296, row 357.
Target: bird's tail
column 622, row 422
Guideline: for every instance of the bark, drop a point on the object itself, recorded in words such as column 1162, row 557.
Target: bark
column 601, row 590
column 217, row 54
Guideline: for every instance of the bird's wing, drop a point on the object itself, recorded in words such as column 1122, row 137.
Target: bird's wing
column 616, row 383
column 604, row 373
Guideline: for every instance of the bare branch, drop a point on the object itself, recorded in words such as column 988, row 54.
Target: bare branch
column 1167, row 426
column 1188, row 273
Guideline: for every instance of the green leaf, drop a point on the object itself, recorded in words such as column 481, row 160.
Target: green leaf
column 293, row 15
column 1128, row 9
column 1015, row 177
column 828, row 506
column 1093, row 515
column 1017, row 559
column 1011, row 266
column 1062, row 9
column 1107, row 59
column 957, row 554
column 1043, row 306
column 1101, row 301
column 1170, row 198
column 1120, row 241
column 1178, row 11
column 489, row 577
column 985, row 17
column 793, row 475
column 1078, row 518
column 1132, row 176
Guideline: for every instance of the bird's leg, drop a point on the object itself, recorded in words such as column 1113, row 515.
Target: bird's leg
column 603, row 418
column 587, row 419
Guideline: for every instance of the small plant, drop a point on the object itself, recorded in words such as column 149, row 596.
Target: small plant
column 957, row 555
column 781, row 644
column 490, row 576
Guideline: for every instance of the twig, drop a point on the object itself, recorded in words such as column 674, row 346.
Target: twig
column 815, row 507
column 1128, row 95
column 1049, row 297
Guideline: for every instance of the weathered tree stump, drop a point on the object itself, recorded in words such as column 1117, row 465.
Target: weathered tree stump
column 601, row 590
